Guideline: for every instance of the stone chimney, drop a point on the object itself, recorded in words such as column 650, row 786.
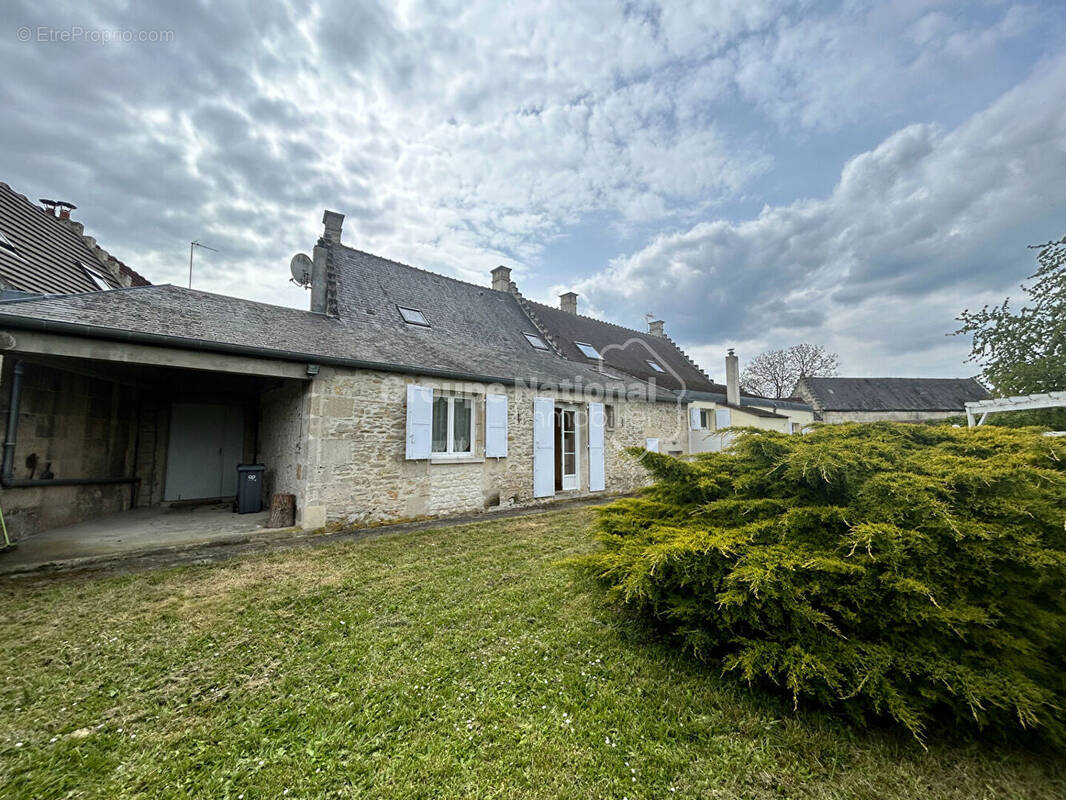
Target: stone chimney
column 501, row 279
column 732, row 379
column 568, row 302
column 655, row 328
column 333, row 222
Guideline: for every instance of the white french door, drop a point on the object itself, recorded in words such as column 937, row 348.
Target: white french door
column 569, row 452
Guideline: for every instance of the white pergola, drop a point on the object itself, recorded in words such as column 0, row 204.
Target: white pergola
column 1017, row 403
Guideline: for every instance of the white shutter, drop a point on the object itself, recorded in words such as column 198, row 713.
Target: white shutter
column 496, row 426
column 694, row 418
column 596, row 468
column 419, row 421
column 543, row 447
column 651, row 445
column 722, row 418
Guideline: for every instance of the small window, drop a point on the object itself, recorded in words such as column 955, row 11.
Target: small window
column 705, row 418
column 588, row 350
column 97, row 277
column 608, row 417
column 536, row 341
column 453, row 426
column 6, row 243
column 413, row 316
column 655, row 366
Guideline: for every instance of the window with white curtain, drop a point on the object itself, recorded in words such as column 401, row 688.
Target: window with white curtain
column 453, row 426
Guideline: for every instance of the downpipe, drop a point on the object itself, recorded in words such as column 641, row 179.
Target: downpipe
column 7, row 467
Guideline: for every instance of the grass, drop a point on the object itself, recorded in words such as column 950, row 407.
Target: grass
column 460, row 662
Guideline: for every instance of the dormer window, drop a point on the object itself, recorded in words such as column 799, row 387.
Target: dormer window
column 588, row 350
column 655, row 365
column 97, row 277
column 536, row 341
column 412, row 316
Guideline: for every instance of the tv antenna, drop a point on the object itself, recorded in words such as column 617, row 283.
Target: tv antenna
column 192, row 249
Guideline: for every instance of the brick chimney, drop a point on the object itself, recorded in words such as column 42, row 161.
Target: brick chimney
column 333, row 222
column 501, row 279
column 655, row 328
column 568, row 302
column 732, row 378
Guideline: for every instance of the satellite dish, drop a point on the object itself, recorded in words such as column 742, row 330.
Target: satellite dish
column 301, row 269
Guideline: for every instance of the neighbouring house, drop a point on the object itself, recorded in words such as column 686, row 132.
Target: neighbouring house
column 400, row 394
column 892, row 399
column 44, row 251
column 713, row 413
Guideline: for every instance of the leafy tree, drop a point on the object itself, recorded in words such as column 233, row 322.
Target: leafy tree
column 1024, row 351
column 775, row 372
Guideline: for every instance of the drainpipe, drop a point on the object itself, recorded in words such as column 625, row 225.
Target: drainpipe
column 7, row 468
column 12, row 423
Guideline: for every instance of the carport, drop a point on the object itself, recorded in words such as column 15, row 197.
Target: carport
column 95, row 429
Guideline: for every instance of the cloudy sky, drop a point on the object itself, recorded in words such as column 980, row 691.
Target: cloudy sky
column 756, row 173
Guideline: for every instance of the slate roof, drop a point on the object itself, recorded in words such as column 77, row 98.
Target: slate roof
column 474, row 331
column 43, row 252
column 891, row 394
column 748, row 403
column 622, row 348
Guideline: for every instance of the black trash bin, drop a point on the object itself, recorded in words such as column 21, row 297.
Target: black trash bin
column 250, row 488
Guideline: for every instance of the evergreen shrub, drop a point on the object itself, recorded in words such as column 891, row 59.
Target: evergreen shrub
column 907, row 571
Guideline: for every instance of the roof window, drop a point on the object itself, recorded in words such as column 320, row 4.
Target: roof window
column 97, row 277
column 536, row 341
column 588, row 350
column 412, row 316
column 655, row 365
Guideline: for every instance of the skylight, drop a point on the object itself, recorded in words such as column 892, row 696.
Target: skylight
column 588, row 350
column 96, row 277
column 655, row 366
column 536, row 341
column 413, row 316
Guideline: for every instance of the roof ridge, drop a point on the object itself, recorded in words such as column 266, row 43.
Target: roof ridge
column 882, row 378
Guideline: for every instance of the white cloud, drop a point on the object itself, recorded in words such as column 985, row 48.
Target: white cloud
column 923, row 225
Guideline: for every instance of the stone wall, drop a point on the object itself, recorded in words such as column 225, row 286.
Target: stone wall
column 357, row 471
column 283, row 439
column 886, row 416
column 70, row 426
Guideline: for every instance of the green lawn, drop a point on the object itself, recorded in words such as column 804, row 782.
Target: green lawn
column 461, row 662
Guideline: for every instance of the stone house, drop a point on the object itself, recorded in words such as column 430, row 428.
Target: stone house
column 400, row 394
column 889, row 399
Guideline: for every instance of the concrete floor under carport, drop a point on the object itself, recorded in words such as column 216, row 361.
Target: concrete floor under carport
column 129, row 533
column 94, row 410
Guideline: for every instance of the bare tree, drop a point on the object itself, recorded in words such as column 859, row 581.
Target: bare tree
column 775, row 372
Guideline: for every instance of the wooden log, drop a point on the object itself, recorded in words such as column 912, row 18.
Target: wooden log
column 282, row 511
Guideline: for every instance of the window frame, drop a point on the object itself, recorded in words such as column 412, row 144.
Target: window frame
column 581, row 348
column 655, row 365
column 451, row 452
column 531, row 336
column 706, row 416
column 96, row 276
column 423, row 324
